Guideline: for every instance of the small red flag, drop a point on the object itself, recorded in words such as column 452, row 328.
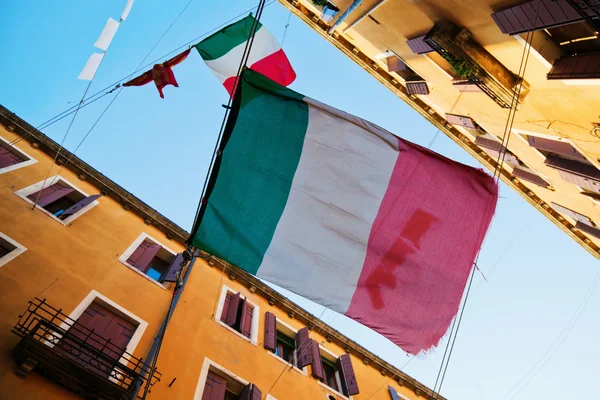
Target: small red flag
column 161, row 74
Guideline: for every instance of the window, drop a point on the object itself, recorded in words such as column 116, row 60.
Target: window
column 281, row 341
column 59, row 199
column 415, row 84
column 583, row 223
column 9, row 249
column 238, row 314
column 395, row 395
column 150, row 258
column 217, row 383
column 337, row 373
column 285, row 348
column 12, row 158
column 576, row 38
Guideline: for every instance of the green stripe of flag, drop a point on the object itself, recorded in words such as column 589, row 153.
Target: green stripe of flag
column 220, row 43
column 261, row 156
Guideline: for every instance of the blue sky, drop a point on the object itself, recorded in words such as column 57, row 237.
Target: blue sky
column 159, row 150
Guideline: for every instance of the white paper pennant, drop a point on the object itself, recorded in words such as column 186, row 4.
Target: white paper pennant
column 107, row 35
column 88, row 72
column 126, row 10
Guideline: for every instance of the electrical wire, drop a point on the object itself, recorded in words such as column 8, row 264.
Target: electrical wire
column 559, row 339
column 116, row 85
column 287, row 25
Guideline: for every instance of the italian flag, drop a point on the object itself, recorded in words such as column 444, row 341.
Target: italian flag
column 223, row 52
column 344, row 213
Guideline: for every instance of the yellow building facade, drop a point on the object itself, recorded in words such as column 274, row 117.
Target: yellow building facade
column 88, row 274
column 459, row 64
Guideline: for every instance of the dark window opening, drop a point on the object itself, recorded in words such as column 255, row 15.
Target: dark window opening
column 58, row 207
column 151, row 259
column 231, row 396
column 243, row 314
column 576, row 38
column 5, row 247
column 157, row 268
column 285, row 347
column 330, row 372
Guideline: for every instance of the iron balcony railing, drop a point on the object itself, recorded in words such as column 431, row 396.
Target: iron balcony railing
column 75, row 356
column 449, row 41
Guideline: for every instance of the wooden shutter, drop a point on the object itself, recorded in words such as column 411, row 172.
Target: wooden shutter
column 583, row 175
column 143, row 255
column 80, row 205
column 8, row 158
column 418, row 45
column 251, row 392
column 529, row 176
column 417, row 88
column 395, row 64
column 495, row 149
column 522, row 18
column 303, row 353
column 582, row 66
column 347, row 375
column 317, row 365
column 556, row 147
column 174, row 268
column 246, row 319
column 226, row 304
column 270, row 331
column 50, row 194
column 573, row 214
column 461, row 120
column 393, row 393
column 214, row 388
column 588, row 229
column 234, row 303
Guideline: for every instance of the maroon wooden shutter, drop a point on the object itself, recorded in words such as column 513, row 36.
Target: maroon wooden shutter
column 80, row 205
column 8, row 158
column 174, row 268
column 303, row 353
column 255, row 393
column 347, row 376
column 270, row 331
column 418, row 45
column 394, row 64
column 417, row 87
column 317, row 364
column 234, row 303
column 583, row 175
column 556, row 147
column 214, row 388
column 140, row 259
column 50, row 194
column 530, row 177
column 522, row 18
column 246, row 319
column 582, row 66
column 588, row 229
column 226, row 305
column 461, row 120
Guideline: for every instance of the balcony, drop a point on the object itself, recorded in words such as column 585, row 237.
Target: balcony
column 474, row 64
column 75, row 357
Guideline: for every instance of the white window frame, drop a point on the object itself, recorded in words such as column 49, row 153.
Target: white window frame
column 105, row 301
column 36, row 187
column 204, row 374
column 30, row 160
column 337, row 375
column 522, row 133
column 255, row 316
column 303, row 371
column 133, row 247
column 19, row 249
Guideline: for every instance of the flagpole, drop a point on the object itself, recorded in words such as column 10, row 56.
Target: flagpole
column 216, row 151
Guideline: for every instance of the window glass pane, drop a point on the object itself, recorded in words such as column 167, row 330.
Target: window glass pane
column 329, row 370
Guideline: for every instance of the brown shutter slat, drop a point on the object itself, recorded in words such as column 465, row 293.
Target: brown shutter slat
column 489, row 144
column 234, row 303
column 246, row 319
column 573, row 214
column 418, row 45
column 576, row 67
column 270, row 331
column 417, row 88
column 530, row 177
column 214, row 388
column 347, row 375
column 576, row 168
column 303, row 354
column 522, row 18
column 461, row 120
column 174, row 268
column 588, row 229
column 556, row 147
column 317, row 364
column 256, row 394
